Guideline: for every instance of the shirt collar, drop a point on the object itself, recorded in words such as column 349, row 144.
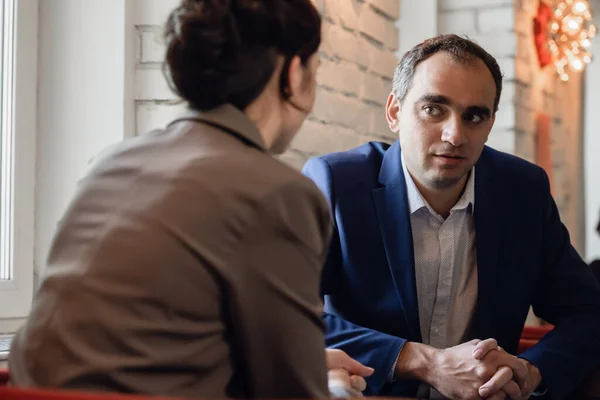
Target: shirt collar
column 416, row 201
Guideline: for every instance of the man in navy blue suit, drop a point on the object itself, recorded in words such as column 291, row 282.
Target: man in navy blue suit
column 442, row 244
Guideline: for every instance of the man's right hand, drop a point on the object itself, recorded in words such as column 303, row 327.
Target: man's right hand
column 457, row 373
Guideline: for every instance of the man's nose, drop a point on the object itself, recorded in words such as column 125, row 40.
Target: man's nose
column 454, row 132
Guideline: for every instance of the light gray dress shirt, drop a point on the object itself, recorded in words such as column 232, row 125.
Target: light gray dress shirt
column 445, row 268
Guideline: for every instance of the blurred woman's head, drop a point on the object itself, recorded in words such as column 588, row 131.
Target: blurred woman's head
column 258, row 55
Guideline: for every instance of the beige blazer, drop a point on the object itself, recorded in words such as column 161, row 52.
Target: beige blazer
column 188, row 264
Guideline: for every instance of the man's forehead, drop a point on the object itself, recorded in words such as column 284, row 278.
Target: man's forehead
column 467, row 81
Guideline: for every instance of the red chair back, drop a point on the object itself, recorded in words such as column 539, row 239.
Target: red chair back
column 531, row 335
column 3, row 376
column 536, row 332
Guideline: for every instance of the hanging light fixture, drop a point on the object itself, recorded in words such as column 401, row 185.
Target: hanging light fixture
column 571, row 31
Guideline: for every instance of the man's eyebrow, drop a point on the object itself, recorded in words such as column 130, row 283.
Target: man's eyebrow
column 434, row 98
column 483, row 110
column 440, row 99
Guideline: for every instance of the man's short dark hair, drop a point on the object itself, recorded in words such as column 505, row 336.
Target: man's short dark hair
column 461, row 49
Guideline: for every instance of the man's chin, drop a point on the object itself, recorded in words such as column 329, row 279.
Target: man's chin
column 445, row 180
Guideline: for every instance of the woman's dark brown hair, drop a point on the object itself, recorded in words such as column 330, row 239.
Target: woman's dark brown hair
column 225, row 51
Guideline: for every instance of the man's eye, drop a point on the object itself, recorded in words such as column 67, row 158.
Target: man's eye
column 431, row 110
column 473, row 118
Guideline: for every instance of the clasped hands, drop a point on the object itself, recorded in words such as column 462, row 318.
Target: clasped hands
column 474, row 370
column 481, row 369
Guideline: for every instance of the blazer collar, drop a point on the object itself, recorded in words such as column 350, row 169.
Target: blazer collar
column 391, row 205
column 391, row 166
column 228, row 118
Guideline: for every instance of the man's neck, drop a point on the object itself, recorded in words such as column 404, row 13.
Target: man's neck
column 442, row 200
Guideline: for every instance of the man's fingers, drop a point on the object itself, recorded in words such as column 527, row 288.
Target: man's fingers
column 519, row 369
column 497, row 382
column 359, row 383
column 484, row 347
column 338, row 359
column 512, row 390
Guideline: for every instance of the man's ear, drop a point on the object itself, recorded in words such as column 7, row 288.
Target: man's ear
column 392, row 112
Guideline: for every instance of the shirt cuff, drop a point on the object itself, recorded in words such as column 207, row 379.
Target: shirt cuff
column 392, row 373
column 541, row 390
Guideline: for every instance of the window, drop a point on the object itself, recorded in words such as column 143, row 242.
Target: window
column 18, row 71
column 6, row 155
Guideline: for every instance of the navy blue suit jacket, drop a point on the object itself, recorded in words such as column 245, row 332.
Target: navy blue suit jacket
column 524, row 257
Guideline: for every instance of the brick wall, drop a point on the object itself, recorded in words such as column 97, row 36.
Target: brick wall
column 155, row 104
column 505, row 29
column 357, row 56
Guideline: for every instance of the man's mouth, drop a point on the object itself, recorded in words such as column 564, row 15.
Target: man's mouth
column 452, row 156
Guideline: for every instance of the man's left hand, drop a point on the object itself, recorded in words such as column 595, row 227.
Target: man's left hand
column 509, row 389
column 534, row 378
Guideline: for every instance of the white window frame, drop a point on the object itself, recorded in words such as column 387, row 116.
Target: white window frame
column 19, row 170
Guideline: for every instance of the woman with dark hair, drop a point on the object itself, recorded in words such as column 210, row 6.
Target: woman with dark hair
column 188, row 264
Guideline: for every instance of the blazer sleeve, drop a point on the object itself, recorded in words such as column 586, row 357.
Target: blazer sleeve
column 274, row 302
column 372, row 348
column 568, row 296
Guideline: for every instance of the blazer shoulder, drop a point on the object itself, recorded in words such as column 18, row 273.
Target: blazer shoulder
column 514, row 169
column 371, row 152
column 363, row 162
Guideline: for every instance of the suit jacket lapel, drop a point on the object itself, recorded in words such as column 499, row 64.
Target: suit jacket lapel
column 391, row 203
column 488, row 243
